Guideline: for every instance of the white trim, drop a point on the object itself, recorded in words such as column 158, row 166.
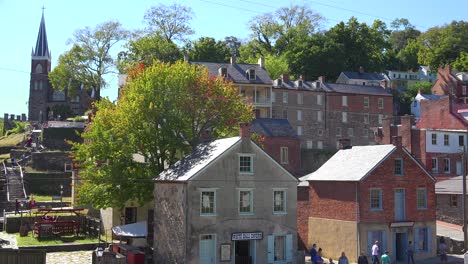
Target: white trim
column 201, row 190
column 251, row 156
column 285, row 209
column 252, row 211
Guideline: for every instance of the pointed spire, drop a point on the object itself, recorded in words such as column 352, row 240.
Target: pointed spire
column 42, row 49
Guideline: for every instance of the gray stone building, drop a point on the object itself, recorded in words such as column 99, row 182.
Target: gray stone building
column 228, row 201
column 449, row 194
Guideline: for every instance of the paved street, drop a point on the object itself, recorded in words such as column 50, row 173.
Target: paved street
column 77, row 257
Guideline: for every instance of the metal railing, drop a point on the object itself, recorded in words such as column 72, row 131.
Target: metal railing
column 22, row 181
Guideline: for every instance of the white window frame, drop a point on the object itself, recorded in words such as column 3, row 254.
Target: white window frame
column 344, row 100
column 68, row 167
column 285, row 97
column 350, row 132
column 309, row 144
column 434, row 139
column 300, row 98
column 446, row 140
column 380, row 207
column 464, row 90
column 338, row 132
column 366, row 102
column 251, row 76
column 366, row 118
column 284, row 155
column 421, row 198
column 283, row 190
column 239, row 190
column 446, row 165
column 273, row 97
column 381, row 103
column 320, row 144
column 381, row 119
column 344, row 117
column 399, row 166
column 365, row 132
column 206, row 190
column 244, row 155
column 299, row 115
column 434, row 165
column 319, row 99
column 319, row 116
column 299, row 130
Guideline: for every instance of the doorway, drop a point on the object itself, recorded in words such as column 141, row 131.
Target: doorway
column 245, row 252
column 401, row 241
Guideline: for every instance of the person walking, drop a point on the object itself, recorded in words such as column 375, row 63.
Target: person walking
column 410, row 252
column 362, row 259
column 343, row 259
column 16, row 206
column 313, row 253
column 443, row 250
column 385, row 258
column 375, row 253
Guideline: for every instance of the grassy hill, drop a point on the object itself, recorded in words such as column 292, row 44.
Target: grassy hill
column 11, row 140
column 1, row 126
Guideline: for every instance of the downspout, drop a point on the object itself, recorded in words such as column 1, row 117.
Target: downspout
column 358, row 248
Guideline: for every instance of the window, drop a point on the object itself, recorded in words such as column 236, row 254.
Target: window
column 344, row 100
column 273, row 97
column 434, row 139
column 319, row 99
column 319, row 132
column 422, row 237
column 365, row 132
column 309, row 144
column 453, row 200
column 299, row 83
column 320, row 144
column 284, row 155
column 377, row 235
column 285, row 97
column 446, row 140
column 36, row 85
column 350, row 132
column 208, row 202
column 245, row 201
column 130, row 215
column 223, row 72
column 75, row 99
column 245, row 164
column 285, row 114
column 446, row 165
column 344, row 117
column 380, row 119
column 279, row 82
column 461, row 140
column 366, row 102
column 338, row 131
column 279, row 201
column 299, row 115
column 415, row 103
column 251, row 74
column 376, row 199
column 38, row 68
column 434, row 165
column 421, row 198
column 299, row 130
column 319, row 116
column 398, row 167
column 366, row 118
column 300, row 98
column 463, row 90
column 381, row 105
column 41, row 85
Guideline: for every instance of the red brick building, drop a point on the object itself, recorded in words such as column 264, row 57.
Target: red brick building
column 368, row 193
column 451, row 83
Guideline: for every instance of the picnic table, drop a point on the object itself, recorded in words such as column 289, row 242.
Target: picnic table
column 47, row 226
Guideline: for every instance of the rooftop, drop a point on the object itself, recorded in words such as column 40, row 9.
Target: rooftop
column 272, row 127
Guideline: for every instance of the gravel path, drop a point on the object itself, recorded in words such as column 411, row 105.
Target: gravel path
column 76, row 257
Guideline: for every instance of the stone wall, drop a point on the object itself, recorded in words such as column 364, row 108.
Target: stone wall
column 448, row 210
column 48, row 183
column 50, row 161
column 56, row 138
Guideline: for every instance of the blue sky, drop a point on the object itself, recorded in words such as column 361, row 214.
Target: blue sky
column 19, row 20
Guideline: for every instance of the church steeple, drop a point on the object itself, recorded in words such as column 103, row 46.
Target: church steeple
column 42, row 48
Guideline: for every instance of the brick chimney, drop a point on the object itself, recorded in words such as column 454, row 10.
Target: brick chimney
column 245, row 130
column 396, row 141
column 345, row 143
column 321, row 79
column 285, row 77
column 233, row 59
column 261, row 62
column 405, row 131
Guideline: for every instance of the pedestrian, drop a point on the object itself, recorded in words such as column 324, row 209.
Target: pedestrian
column 13, row 162
column 318, row 258
column 32, row 203
column 375, row 253
column 313, row 252
column 385, row 258
column 443, row 250
column 331, row 261
column 343, row 259
column 410, row 252
column 362, row 259
column 16, row 207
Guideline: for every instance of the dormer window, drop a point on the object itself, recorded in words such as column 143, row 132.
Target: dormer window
column 250, row 74
column 299, row 83
column 279, row 82
column 223, row 72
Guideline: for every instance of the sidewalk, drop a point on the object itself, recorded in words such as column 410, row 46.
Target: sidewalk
column 452, row 259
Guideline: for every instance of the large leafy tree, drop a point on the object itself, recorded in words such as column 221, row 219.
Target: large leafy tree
column 163, row 112
column 209, row 50
column 171, row 22
column 89, row 59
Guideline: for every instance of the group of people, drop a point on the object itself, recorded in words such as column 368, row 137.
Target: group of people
column 32, row 204
column 316, row 256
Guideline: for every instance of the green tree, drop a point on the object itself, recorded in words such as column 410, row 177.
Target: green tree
column 171, row 22
column 89, row 59
column 401, row 56
column 276, row 65
column 461, row 63
column 209, row 50
column 163, row 111
column 407, row 97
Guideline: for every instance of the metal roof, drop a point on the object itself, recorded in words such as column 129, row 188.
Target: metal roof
column 238, row 72
column 355, row 89
column 364, row 76
column 450, row 186
column 272, row 127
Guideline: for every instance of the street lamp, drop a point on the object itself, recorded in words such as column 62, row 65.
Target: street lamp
column 61, row 196
column 99, row 252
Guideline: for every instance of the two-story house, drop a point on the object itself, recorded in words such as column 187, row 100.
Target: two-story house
column 363, row 78
column 252, row 80
column 416, row 104
column 451, row 83
column 365, row 194
column 227, row 201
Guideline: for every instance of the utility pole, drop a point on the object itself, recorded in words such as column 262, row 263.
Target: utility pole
column 465, row 240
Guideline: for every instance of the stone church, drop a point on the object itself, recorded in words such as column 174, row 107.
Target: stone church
column 45, row 103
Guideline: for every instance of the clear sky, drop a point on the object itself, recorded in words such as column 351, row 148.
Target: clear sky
column 19, row 20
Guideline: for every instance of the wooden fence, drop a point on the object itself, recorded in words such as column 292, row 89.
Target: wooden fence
column 22, row 256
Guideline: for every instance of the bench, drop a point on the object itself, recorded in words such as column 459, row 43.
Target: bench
column 48, row 229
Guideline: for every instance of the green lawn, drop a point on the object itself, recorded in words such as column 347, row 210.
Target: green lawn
column 4, row 157
column 29, row 240
column 47, row 198
column 11, row 140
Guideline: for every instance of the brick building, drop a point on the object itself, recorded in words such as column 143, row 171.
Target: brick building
column 368, row 193
column 451, row 83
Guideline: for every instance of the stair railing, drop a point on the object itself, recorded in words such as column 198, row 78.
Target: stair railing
column 7, row 180
column 22, row 181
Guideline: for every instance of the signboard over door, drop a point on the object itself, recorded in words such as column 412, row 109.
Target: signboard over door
column 247, row 236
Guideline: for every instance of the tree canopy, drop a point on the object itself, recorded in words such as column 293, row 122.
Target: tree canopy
column 171, row 22
column 162, row 114
column 209, row 50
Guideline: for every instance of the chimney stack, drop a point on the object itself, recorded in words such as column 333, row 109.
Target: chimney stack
column 321, row 79
column 261, row 62
column 345, row 143
column 383, row 83
column 233, row 59
column 396, row 141
column 245, row 130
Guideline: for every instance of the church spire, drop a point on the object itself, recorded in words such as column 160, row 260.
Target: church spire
column 42, row 49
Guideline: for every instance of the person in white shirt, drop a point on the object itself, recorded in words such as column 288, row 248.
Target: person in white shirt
column 375, row 253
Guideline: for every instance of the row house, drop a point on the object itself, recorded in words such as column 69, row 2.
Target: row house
column 438, row 139
column 368, row 193
column 451, row 83
column 363, row 78
column 323, row 113
column 401, row 80
column 252, row 80
column 228, row 201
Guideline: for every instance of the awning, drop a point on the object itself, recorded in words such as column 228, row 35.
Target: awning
column 138, row 229
column 401, row 224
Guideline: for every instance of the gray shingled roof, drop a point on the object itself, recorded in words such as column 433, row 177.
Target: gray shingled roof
column 272, row 127
column 450, row 186
column 198, row 159
column 351, row 164
column 42, row 48
column 237, row 72
column 354, row 88
column 364, row 76
column 291, row 84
